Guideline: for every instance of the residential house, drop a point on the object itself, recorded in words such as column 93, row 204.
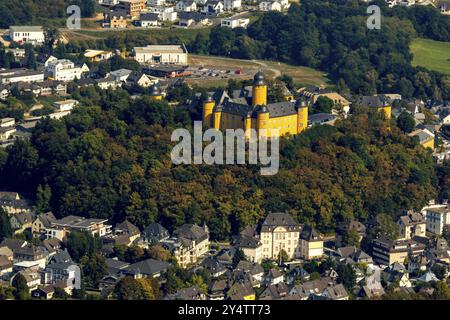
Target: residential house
column 156, row 3
column 335, row 292
column 6, row 266
column 217, row 289
column 31, row 277
column 140, row 79
column 29, row 256
column 311, row 243
column 410, row 225
column 321, row 119
column 115, row 20
column 120, row 75
column 61, row 268
column 269, row 6
column 232, row 5
column 97, row 55
column 164, row 13
column 62, row 227
column 116, row 266
column 20, row 222
column 63, row 70
column 186, row 6
column 213, row 267
column 46, row 292
column 279, row 232
column 437, row 217
column 425, row 138
column 27, row 34
column 149, row 268
column 314, row 287
column 444, row 7
column 7, row 122
column 193, row 242
column 65, row 105
column 213, row 7
column 254, row 270
column 128, row 229
column 241, row 291
column 186, row 19
column 250, row 244
column 273, row 276
column 341, row 104
column 108, row 83
column 154, row 233
column 191, row 293
column 161, row 54
column 148, row 20
column 274, row 292
column 235, row 22
column 343, row 228
column 12, row 203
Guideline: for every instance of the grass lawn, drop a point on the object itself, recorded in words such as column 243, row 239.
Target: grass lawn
column 433, row 55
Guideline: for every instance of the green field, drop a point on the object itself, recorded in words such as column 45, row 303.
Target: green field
column 433, row 55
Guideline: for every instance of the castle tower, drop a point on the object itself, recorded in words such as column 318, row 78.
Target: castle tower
column 302, row 116
column 217, row 117
column 208, row 106
column 155, row 92
column 263, row 121
column 248, row 125
column 259, row 93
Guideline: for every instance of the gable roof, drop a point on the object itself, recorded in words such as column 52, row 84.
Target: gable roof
column 128, row 227
column 191, row 232
column 277, row 219
column 149, row 267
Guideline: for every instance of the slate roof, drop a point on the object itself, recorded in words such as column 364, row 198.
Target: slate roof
column 155, row 230
column 274, row 220
column 148, row 267
column 191, row 232
column 46, row 218
column 128, row 227
column 310, row 234
column 148, row 17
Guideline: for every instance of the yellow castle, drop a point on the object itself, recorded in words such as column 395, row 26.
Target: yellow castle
column 248, row 109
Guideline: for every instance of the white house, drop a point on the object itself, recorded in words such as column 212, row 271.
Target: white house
column 230, row 5
column 186, row 19
column 186, row 6
column 63, row 70
column 234, row 22
column 66, row 105
column 27, row 34
column 147, row 20
column 161, row 54
column 164, row 13
column 269, row 6
column 120, row 75
column 213, row 7
column 155, row 3
column 7, row 122
column 436, row 218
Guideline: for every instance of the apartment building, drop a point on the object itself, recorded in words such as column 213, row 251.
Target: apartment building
column 189, row 243
column 63, row 70
column 386, row 252
column 132, row 7
column 411, row 224
column 436, row 218
column 62, row 227
column 279, row 232
column 27, row 34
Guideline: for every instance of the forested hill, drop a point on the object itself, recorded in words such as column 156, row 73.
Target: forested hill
column 111, row 159
column 19, row 12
